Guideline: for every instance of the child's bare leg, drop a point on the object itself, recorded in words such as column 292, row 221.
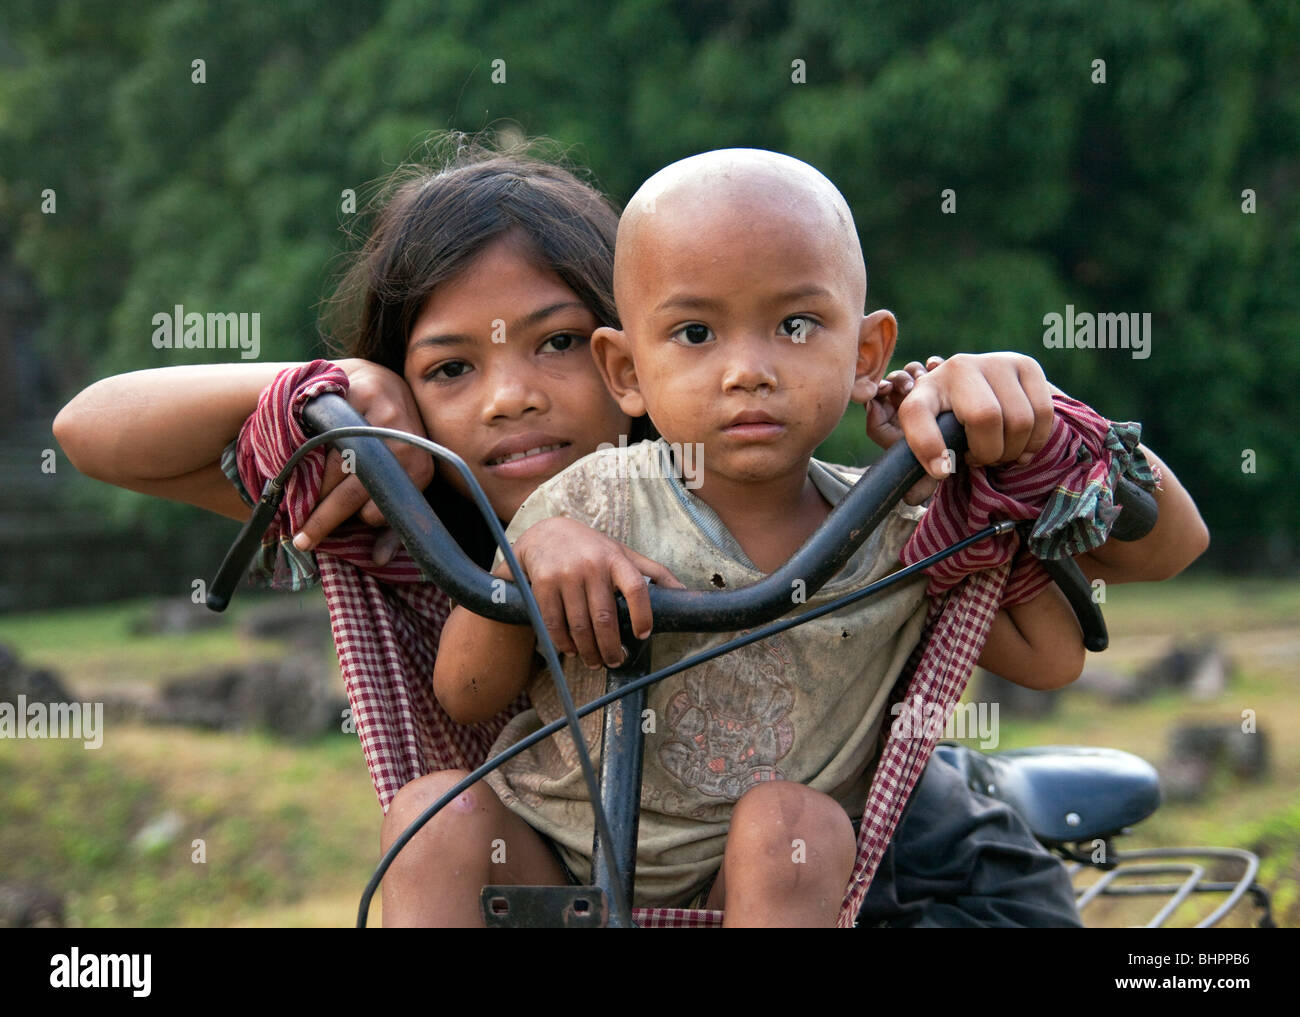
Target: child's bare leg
column 789, row 855
column 474, row 841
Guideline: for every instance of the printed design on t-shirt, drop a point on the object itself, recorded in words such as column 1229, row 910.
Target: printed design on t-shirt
column 730, row 723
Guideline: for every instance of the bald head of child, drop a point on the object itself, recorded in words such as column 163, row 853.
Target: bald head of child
column 740, row 285
column 745, row 191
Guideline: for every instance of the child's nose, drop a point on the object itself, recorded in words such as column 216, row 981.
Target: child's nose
column 750, row 368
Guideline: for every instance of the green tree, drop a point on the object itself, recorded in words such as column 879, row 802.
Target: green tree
column 1115, row 195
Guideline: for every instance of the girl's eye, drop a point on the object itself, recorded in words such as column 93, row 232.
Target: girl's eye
column 797, row 327
column 560, row 343
column 692, row 335
column 449, row 369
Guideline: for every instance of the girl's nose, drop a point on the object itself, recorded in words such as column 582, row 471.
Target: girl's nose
column 512, row 391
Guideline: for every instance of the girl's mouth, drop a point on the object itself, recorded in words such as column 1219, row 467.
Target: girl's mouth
column 516, row 456
column 542, row 460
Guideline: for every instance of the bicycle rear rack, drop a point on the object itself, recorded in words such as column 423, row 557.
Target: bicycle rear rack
column 1154, row 861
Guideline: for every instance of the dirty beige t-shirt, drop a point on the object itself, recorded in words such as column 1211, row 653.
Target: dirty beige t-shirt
column 805, row 705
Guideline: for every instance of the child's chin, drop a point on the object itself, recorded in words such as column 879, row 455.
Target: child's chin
column 755, row 466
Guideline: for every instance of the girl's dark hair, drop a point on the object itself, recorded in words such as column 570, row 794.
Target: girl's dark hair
column 431, row 218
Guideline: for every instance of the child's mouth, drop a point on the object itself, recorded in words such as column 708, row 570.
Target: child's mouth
column 754, row 426
column 754, row 430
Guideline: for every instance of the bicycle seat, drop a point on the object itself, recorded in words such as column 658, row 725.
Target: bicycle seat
column 1065, row 793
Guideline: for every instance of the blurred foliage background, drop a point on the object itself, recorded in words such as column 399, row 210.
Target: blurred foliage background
column 1115, row 195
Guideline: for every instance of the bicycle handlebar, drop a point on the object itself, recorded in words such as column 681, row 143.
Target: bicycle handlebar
column 822, row 555
column 820, row 558
column 443, row 561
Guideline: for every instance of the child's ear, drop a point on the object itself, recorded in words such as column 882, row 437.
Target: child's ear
column 612, row 351
column 876, row 338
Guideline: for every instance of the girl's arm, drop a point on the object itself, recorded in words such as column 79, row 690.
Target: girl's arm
column 1179, row 537
column 1037, row 644
column 162, row 432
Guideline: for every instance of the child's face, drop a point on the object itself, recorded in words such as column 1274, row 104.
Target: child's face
column 500, row 365
column 743, row 331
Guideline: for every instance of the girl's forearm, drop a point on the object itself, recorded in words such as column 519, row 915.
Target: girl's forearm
column 162, row 431
column 1178, row 538
column 1037, row 644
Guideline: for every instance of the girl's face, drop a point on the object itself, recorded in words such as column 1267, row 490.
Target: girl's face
column 500, row 365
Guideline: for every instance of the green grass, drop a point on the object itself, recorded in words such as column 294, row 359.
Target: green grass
column 1196, row 603
column 276, row 825
column 98, row 647
column 284, row 825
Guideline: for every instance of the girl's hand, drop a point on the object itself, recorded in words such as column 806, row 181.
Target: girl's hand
column 883, row 425
column 574, row 572
column 1003, row 400
column 384, row 399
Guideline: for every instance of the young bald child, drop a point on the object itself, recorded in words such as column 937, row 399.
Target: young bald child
column 741, row 286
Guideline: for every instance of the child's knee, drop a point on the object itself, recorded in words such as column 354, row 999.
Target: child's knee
column 472, row 806
column 792, row 827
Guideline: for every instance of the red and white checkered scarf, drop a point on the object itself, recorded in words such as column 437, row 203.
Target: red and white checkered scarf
column 387, row 619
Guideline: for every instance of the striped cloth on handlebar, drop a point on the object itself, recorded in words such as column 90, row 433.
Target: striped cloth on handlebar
column 1068, row 487
column 387, row 620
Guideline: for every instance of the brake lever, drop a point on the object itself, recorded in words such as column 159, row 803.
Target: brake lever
column 1138, row 513
column 1071, row 581
column 246, row 545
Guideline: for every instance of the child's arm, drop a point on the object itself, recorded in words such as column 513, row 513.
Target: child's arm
column 162, row 432
column 575, row 572
column 481, row 665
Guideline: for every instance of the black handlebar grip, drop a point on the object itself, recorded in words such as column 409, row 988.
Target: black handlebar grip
column 1071, row 581
column 240, row 555
column 1139, row 511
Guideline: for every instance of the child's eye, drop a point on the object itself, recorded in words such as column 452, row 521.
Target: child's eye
column 449, row 369
column 694, row 334
column 798, row 326
column 560, row 343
